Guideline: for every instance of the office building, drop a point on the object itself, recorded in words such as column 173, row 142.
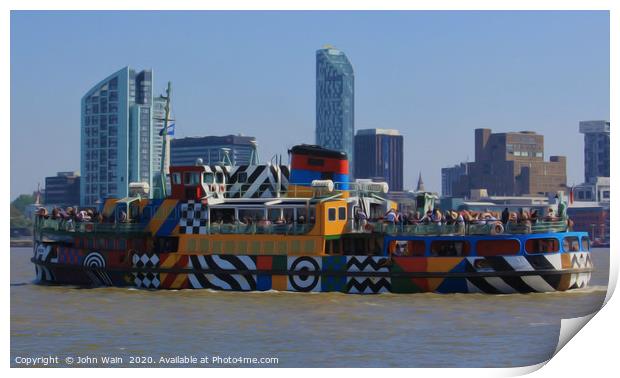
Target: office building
column 63, row 189
column 335, row 102
column 119, row 138
column 379, row 156
column 512, row 164
column 596, row 149
column 242, row 150
column 450, row 178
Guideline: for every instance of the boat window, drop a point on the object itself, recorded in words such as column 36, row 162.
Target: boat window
column 190, row 178
column 331, row 214
column 497, row 247
column 342, row 213
column 251, row 215
column 207, row 178
column 571, row 244
column 219, row 177
column 542, row 245
column 176, row 178
column 585, row 242
column 407, row 247
column 444, row 248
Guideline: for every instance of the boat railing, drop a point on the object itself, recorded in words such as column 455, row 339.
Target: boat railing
column 70, row 225
column 477, row 227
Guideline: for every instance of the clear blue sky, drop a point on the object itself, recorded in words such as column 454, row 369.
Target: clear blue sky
column 435, row 76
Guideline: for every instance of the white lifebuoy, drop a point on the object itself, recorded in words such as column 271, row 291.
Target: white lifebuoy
column 497, row 229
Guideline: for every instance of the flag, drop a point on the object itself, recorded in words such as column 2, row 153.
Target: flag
column 170, row 130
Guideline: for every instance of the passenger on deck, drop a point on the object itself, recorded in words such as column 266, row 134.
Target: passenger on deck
column 522, row 216
column 390, row 217
column 42, row 212
column 505, row 216
column 415, row 218
column 436, row 217
column 83, row 216
column 550, row 215
column 427, row 218
column 534, row 216
column 449, row 219
column 362, row 219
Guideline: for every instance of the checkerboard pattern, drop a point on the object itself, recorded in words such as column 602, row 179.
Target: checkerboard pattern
column 147, row 280
column 194, row 218
column 145, row 260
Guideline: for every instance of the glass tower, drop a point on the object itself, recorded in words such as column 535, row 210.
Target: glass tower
column 335, row 102
column 596, row 149
column 118, row 136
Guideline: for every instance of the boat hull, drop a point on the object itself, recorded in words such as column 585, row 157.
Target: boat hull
column 549, row 272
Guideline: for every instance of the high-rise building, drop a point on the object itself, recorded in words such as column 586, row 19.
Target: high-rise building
column 596, row 149
column 63, row 189
column 379, row 155
column 335, row 102
column 212, row 149
column 119, row 138
column 450, row 178
column 512, row 164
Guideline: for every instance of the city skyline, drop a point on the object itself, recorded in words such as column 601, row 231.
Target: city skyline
column 546, row 78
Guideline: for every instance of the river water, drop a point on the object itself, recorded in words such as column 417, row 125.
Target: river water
column 299, row 329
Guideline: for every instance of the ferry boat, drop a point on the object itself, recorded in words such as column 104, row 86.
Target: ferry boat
column 303, row 227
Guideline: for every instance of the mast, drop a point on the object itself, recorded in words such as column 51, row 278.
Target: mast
column 162, row 170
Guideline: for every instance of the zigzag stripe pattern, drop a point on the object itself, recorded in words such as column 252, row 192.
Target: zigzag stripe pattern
column 368, row 285
column 366, row 264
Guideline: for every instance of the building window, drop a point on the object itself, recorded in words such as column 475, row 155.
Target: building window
column 606, row 194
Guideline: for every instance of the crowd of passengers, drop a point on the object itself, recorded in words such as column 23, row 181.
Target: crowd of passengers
column 71, row 215
column 462, row 217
